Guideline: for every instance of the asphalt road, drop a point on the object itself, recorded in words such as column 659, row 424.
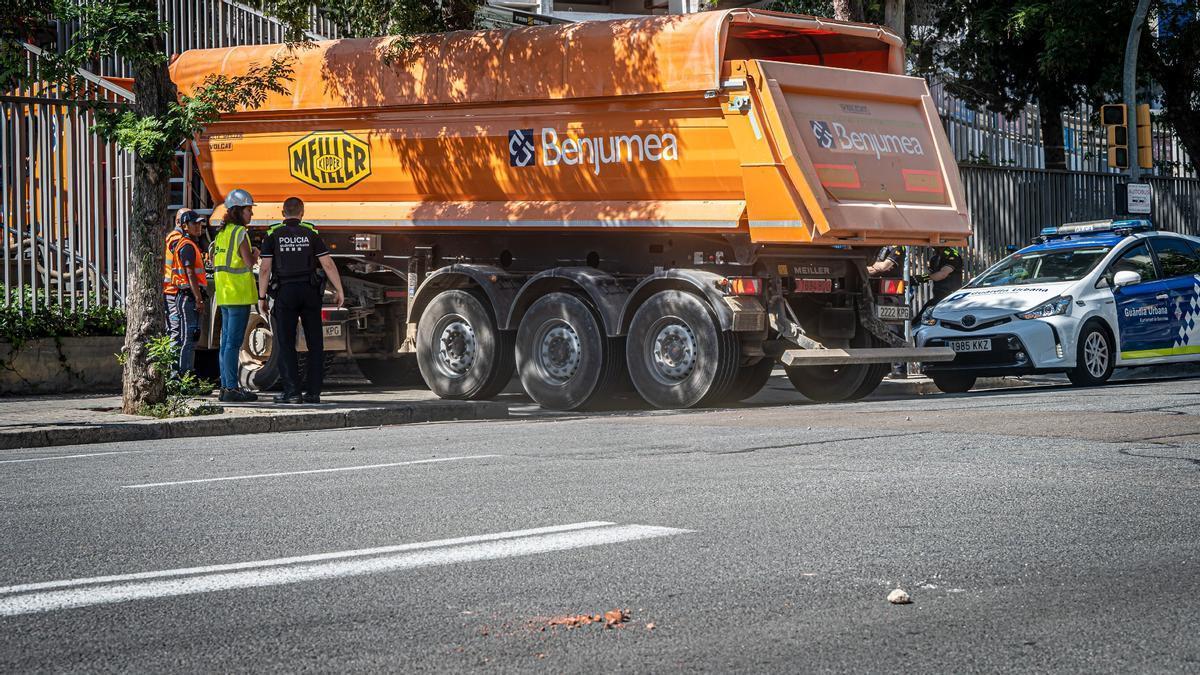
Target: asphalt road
column 1035, row 530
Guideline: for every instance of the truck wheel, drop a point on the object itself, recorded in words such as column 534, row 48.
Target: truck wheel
column 461, row 353
column 394, row 372
column 953, row 383
column 750, row 380
column 1094, row 357
column 849, row 382
column 871, row 382
column 678, row 356
column 564, row 360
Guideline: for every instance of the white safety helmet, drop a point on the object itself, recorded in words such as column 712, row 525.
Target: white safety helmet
column 238, row 197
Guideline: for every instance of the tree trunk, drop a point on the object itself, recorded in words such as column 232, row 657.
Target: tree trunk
column 148, row 228
column 1055, row 151
column 849, row 10
column 893, row 16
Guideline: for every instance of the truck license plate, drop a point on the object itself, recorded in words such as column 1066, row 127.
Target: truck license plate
column 814, row 285
column 333, row 331
column 894, row 312
column 970, row 345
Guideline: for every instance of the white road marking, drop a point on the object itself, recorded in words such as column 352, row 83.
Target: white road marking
column 13, row 601
column 300, row 473
column 90, row 454
column 316, row 557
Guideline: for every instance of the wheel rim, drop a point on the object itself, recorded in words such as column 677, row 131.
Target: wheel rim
column 559, row 351
column 1095, row 354
column 673, row 351
column 456, row 346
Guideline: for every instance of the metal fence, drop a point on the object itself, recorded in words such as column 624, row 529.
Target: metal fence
column 1010, row 206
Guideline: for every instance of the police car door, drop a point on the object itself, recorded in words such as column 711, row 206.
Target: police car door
column 1180, row 267
column 1143, row 308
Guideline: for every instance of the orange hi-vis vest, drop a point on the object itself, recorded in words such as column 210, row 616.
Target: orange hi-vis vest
column 179, row 273
column 168, row 282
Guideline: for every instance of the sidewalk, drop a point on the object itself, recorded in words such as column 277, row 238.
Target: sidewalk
column 42, row 421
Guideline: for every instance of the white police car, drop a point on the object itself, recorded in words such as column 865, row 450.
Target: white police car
column 1083, row 299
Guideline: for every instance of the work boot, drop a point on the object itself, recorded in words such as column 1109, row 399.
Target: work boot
column 312, row 398
column 288, row 398
column 247, row 396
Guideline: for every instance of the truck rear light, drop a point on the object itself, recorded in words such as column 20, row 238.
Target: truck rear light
column 330, row 314
column 744, row 286
column 891, row 286
column 814, row 285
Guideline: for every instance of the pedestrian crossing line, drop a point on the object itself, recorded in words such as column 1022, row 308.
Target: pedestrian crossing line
column 306, row 472
column 73, row 593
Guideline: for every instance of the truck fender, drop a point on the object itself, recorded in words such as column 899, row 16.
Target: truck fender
column 699, row 282
column 499, row 286
column 607, row 294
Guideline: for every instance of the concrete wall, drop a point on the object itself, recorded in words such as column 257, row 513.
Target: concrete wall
column 60, row 366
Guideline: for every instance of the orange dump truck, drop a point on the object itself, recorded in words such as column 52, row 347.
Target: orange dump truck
column 674, row 201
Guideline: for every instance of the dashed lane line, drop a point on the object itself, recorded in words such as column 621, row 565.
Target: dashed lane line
column 306, row 472
column 57, row 595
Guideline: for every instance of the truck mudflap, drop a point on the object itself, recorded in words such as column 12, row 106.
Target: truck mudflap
column 839, row 357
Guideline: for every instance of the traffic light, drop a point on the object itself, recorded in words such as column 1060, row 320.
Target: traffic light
column 1144, row 147
column 1116, row 124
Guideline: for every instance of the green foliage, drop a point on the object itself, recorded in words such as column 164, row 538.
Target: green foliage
column 180, row 390
column 53, row 319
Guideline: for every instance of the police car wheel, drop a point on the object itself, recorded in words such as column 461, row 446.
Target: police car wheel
column 677, row 354
column 564, row 359
column 460, row 351
column 1094, row 357
column 953, row 383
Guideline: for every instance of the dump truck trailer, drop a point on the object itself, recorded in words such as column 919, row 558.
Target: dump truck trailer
column 672, row 202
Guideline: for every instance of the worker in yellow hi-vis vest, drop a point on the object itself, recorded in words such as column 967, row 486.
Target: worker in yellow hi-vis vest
column 236, row 291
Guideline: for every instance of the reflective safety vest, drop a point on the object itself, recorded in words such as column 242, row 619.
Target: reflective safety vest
column 303, row 223
column 168, row 279
column 179, row 273
column 233, row 278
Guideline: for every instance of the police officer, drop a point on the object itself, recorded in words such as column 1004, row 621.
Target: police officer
column 189, row 283
column 947, row 275
column 290, row 258
column 235, row 290
column 889, row 262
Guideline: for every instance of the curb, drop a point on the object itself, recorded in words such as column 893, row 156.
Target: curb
column 191, row 427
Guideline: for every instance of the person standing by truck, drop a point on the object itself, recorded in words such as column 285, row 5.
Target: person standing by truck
column 189, row 283
column 233, row 259
column 291, row 256
column 947, row 275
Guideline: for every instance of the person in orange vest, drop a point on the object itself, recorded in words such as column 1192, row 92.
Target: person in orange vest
column 186, row 289
column 173, row 238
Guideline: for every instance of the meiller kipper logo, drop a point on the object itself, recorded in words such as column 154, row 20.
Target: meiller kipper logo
column 329, row 160
column 591, row 151
column 829, row 134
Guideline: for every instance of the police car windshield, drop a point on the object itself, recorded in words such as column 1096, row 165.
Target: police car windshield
column 1042, row 267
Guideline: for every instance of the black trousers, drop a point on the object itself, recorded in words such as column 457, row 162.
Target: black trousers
column 299, row 301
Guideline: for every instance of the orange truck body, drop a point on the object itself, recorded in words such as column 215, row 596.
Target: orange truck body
column 781, row 128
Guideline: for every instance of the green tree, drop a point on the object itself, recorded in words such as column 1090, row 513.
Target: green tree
column 1007, row 54
column 1174, row 63
column 160, row 120
column 152, row 127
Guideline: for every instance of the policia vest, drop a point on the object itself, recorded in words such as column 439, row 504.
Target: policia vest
column 235, row 284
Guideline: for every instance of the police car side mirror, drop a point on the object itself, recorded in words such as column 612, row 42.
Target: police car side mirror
column 1126, row 278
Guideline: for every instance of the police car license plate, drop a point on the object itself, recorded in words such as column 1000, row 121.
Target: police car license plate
column 333, row 331
column 894, row 312
column 970, row 345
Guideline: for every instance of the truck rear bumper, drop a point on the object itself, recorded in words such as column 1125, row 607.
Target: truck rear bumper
column 837, row 357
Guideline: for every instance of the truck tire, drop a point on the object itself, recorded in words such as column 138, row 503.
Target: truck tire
column 461, row 353
column 1094, row 357
column 828, row 384
column 750, row 380
column 564, row 360
column 953, row 383
column 394, row 372
column 677, row 354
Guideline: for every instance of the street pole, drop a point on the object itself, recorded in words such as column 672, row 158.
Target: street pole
column 1130, row 86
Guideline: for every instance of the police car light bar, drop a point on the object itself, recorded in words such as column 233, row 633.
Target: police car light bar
column 1096, row 226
